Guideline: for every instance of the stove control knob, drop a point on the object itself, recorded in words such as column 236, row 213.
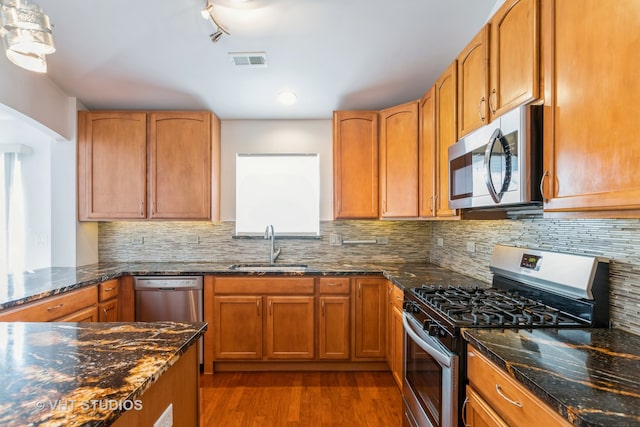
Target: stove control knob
column 411, row 307
column 433, row 329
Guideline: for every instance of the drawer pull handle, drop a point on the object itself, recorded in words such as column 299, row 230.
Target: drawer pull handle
column 55, row 307
column 109, row 289
column 501, row 393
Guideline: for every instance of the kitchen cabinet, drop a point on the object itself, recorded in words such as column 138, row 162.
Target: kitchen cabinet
column 399, row 161
column 179, row 150
column 590, row 60
column 334, row 318
column 261, row 318
column 290, row 330
column 180, row 165
column 514, row 61
column 73, row 306
column 355, row 164
column 395, row 332
column 427, row 165
column 112, row 165
column 499, row 68
column 495, row 399
column 473, row 81
column 108, row 302
column 446, row 135
column 370, row 325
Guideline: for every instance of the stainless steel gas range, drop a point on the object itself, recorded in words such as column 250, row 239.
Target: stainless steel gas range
column 530, row 289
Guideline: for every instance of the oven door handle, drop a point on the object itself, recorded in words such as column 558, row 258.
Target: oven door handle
column 428, row 344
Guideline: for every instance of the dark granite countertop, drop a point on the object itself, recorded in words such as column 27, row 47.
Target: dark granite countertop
column 42, row 283
column 82, row 373
column 590, row 376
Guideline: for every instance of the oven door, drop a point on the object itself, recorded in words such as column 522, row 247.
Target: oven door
column 430, row 383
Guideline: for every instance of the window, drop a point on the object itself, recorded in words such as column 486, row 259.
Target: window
column 278, row 189
column 12, row 223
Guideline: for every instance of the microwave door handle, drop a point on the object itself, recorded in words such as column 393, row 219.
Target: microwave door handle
column 495, row 136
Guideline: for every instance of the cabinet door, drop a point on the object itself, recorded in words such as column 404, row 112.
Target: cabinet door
column 370, row 318
column 89, row 314
column 237, row 327
column 446, row 135
column 290, row 327
column 478, row 413
column 333, row 327
column 473, row 80
column 112, row 165
column 427, row 153
column 399, row 161
column 108, row 311
column 355, row 164
column 514, row 60
column 591, row 130
column 180, row 165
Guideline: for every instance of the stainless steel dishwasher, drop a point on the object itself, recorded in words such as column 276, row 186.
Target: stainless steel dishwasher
column 169, row 298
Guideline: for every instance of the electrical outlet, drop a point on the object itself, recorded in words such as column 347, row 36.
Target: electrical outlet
column 166, row 419
column 382, row 240
column 471, row 247
column 335, row 239
column 440, row 242
column 137, row 240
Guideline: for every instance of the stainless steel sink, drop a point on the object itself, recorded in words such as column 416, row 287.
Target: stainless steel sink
column 268, row 267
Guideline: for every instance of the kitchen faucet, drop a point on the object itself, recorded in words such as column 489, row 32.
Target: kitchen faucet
column 273, row 253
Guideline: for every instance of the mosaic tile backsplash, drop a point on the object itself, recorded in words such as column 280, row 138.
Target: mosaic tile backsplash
column 616, row 240
column 214, row 242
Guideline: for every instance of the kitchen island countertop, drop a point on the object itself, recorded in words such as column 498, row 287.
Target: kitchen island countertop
column 84, row 373
column 590, row 376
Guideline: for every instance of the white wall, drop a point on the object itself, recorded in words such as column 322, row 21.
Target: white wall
column 275, row 136
column 31, row 104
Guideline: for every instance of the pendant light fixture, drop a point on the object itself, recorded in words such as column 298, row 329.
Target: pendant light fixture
column 26, row 34
column 207, row 13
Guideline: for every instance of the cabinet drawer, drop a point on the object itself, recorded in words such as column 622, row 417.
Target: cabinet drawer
column 53, row 307
column 331, row 285
column 515, row 404
column 108, row 289
column 397, row 297
column 264, row 285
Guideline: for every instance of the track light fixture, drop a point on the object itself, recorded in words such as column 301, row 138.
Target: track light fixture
column 207, row 13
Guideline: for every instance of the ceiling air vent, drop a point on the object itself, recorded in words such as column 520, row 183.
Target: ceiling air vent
column 249, row 59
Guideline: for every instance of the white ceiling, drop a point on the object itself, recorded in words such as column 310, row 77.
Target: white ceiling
column 334, row 54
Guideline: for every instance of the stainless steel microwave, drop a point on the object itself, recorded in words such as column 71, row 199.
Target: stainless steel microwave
column 499, row 164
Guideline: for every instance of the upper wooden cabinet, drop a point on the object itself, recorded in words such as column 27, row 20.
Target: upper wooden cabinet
column 355, row 164
column 473, row 80
column 399, row 161
column 499, row 69
column 514, row 61
column 446, row 135
column 112, row 165
column 427, row 163
column 180, row 165
column 180, row 150
column 591, row 127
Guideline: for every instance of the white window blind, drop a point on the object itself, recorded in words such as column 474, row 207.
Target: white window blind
column 278, row 189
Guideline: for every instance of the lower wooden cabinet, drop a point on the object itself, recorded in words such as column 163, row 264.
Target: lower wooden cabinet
column 290, row 327
column 109, row 304
column 66, row 307
column 334, row 318
column 263, row 318
column 395, row 332
column 495, row 399
column 370, row 318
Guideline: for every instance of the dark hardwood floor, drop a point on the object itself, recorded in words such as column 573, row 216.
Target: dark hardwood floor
column 305, row 399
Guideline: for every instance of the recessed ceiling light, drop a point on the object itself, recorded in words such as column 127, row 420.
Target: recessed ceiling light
column 287, row 97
